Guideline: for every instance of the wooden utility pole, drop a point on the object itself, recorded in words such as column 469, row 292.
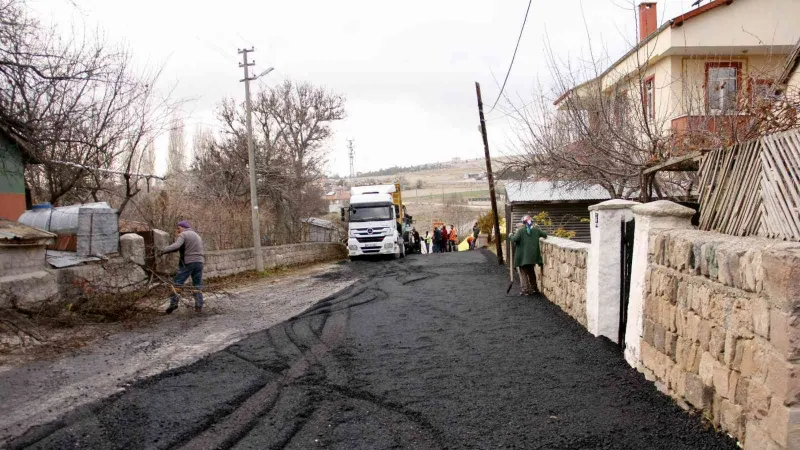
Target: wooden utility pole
column 252, row 161
column 490, row 176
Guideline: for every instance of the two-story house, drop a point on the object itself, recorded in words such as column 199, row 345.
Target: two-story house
column 698, row 75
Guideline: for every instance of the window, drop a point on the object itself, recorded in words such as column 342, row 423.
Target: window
column 620, row 108
column 368, row 213
column 648, row 97
column 722, row 86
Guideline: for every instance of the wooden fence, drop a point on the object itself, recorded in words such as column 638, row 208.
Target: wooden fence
column 753, row 188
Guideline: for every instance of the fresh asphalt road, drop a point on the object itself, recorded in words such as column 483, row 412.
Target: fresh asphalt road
column 426, row 352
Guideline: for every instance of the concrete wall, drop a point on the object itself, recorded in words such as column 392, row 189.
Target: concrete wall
column 563, row 276
column 228, row 262
column 721, row 331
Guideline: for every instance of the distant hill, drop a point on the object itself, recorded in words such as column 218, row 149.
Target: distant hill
column 394, row 170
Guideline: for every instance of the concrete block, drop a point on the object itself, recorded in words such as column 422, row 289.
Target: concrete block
column 131, row 248
column 28, row 290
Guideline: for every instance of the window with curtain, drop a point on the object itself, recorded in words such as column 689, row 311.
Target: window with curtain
column 722, row 84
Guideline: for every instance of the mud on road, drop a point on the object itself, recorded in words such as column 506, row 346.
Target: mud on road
column 426, row 352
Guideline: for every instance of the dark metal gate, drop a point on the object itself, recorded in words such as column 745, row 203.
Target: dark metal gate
column 627, row 230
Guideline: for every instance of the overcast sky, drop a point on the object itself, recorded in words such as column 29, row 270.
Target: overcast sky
column 407, row 69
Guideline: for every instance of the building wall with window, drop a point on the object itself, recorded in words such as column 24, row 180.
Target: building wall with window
column 677, row 74
column 12, row 180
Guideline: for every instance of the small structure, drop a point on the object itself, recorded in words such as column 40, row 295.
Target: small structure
column 320, row 230
column 14, row 155
column 568, row 207
column 23, row 277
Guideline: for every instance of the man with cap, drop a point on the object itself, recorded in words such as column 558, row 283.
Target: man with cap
column 190, row 246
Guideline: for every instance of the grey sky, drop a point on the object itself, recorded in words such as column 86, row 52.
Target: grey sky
column 407, row 69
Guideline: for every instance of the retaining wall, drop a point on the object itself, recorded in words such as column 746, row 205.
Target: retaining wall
column 721, row 331
column 563, row 276
column 228, row 262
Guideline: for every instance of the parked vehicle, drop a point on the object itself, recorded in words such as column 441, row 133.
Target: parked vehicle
column 377, row 221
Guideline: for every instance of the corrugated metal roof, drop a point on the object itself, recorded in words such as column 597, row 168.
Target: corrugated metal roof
column 320, row 223
column 548, row 191
column 15, row 233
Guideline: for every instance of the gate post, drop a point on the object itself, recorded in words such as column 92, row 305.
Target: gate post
column 661, row 214
column 603, row 283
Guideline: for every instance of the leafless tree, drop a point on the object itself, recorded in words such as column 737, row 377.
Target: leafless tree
column 176, row 148
column 83, row 110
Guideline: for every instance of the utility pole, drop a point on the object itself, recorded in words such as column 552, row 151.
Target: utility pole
column 489, row 176
column 352, row 158
column 252, row 160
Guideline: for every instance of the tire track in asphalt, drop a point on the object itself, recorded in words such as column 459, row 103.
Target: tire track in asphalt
column 235, row 426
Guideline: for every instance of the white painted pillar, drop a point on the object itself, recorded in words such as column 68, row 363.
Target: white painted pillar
column 603, row 278
column 661, row 214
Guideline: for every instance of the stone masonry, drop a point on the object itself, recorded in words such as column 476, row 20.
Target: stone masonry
column 563, row 276
column 722, row 331
column 228, row 262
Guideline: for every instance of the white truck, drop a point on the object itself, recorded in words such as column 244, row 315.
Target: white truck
column 376, row 220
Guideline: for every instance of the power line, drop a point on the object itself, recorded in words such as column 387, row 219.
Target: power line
column 524, row 21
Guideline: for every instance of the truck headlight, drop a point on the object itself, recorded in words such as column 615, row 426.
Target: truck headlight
column 388, row 245
column 353, row 247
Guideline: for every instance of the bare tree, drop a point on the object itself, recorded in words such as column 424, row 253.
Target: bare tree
column 85, row 114
column 176, row 148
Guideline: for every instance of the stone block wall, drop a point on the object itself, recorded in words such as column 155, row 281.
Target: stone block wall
column 722, row 331
column 563, row 276
column 228, row 262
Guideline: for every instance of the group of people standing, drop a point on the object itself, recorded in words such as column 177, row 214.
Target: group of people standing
column 446, row 240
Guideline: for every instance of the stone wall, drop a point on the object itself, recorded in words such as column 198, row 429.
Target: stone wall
column 228, row 262
column 721, row 331
column 563, row 276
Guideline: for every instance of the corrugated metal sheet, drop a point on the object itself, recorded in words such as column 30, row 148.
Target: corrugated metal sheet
column 15, row 233
column 548, row 191
column 569, row 216
column 60, row 259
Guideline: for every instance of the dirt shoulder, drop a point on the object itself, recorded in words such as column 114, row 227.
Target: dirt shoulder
column 35, row 392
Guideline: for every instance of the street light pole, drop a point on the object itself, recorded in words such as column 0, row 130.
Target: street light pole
column 259, row 260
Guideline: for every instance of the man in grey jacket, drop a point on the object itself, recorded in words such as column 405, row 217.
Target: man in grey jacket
column 190, row 246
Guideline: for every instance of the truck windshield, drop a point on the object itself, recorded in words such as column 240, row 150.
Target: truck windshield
column 370, row 213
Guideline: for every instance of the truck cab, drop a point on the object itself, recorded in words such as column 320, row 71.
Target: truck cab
column 373, row 227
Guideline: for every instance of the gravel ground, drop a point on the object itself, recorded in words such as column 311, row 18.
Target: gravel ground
column 38, row 392
column 423, row 353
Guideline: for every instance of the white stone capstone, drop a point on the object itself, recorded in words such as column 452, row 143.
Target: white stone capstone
column 658, row 215
column 131, row 246
column 603, row 277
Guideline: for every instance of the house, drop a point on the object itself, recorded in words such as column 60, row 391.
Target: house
column 567, row 206
column 788, row 82
column 336, row 200
column 697, row 74
column 14, row 155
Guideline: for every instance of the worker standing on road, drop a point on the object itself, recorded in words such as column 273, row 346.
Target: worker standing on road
column 527, row 254
column 475, row 232
column 453, row 239
column 470, row 242
column 437, row 238
column 445, row 242
column 190, row 264
column 427, row 242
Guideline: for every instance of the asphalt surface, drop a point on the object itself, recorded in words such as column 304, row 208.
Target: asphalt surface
column 426, row 352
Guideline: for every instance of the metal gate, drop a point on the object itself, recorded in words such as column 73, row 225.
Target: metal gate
column 627, row 230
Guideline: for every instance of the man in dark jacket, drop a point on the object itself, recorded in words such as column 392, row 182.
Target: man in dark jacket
column 190, row 246
column 475, row 232
column 527, row 254
column 437, row 240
